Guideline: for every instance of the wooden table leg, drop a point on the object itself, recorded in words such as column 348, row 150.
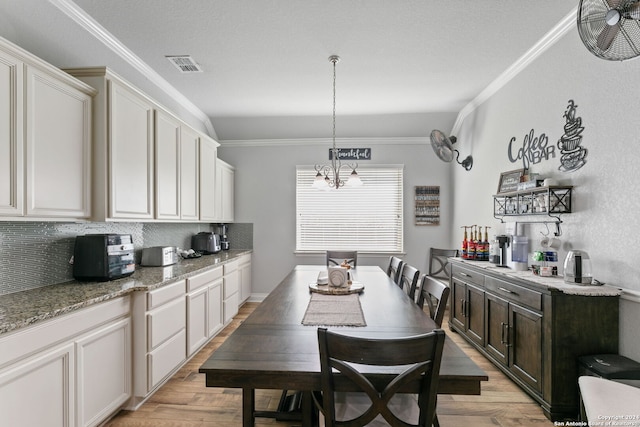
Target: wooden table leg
column 248, row 407
column 309, row 415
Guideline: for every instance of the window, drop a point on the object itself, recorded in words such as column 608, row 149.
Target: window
column 366, row 219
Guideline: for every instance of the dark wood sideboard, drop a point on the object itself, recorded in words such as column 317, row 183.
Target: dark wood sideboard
column 532, row 332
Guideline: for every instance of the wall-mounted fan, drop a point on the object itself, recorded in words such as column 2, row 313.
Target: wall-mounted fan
column 610, row 29
column 443, row 148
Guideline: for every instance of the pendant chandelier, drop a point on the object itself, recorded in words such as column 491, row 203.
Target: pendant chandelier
column 328, row 176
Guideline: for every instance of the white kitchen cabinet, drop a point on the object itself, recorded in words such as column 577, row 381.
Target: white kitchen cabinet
column 11, row 135
column 75, row 367
column 48, row 379
column 124, row 158
column 230, row 290
column 189, row 174
column 104, row 372
column 159, row 338
column 58, row 136
column 225, row 177
column 131, row 153
column 45, row 139
column 244, row 273
column 208, row 156
column 167, row 134
column 204, row 307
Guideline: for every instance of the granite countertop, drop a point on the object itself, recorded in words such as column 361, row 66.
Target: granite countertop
column 25, row 308
column 553, row 282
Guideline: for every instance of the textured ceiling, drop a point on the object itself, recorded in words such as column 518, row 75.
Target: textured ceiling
column 265, row 61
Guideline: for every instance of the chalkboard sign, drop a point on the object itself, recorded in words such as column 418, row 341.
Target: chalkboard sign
column 509, row 180
column 352, row 153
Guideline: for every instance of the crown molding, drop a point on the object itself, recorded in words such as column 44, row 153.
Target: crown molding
column 80, row 17
column 324, row 141
column 549, row 39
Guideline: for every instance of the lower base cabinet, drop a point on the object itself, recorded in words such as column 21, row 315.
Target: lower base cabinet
column 532, row 333
column 74, row 370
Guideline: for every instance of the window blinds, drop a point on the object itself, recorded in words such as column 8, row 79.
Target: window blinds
column 366, row 218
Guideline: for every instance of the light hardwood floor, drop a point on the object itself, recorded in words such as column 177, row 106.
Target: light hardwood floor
column 184, row 401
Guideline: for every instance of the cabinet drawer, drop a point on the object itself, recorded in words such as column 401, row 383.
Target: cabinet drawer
column 165, row 322
column 467, row 275
column 514, row 292
column 230, row 307
column 162, row 295
column 230, row 266
column 200, row 280
column 231, row 284
column 165, row 359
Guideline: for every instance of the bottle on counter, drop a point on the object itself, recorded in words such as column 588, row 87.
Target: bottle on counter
column 464, row 242
column 472, row 243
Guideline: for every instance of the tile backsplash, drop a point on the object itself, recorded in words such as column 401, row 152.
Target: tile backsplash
column 36, row 254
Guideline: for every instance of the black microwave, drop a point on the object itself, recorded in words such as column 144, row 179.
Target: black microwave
column 102, row 257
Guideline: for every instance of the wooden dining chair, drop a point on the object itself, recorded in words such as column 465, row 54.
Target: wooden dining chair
column 408, row 280
column 338, row 257
column 393, row 270
column 439, row 263
column 435, row 294
column 417, row 356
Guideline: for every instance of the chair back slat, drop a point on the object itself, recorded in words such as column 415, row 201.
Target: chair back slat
column 434, row 294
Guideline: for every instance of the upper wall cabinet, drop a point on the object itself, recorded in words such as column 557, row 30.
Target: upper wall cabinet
column 177, row 169
column 225, row 177
column 208, row 160
column 123, row 148
column 45, row 139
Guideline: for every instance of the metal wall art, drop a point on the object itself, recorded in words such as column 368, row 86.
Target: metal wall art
column 535, row 149
column 573, row 155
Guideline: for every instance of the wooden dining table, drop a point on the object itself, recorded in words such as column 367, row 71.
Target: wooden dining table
column 272, row 349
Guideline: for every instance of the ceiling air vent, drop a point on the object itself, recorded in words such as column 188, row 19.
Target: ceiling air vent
column 184, row 63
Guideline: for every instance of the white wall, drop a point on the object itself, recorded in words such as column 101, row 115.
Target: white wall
column 605, row 221
column 265, row 196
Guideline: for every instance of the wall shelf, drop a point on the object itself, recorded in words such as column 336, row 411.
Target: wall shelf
column 539, row 205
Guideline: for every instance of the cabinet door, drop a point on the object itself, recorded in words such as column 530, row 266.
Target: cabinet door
column 228, row 200
column 475, row 314
column 214, row 307
column 245, row 281
column 497, row 313
column 197, row 324
column 167, row 166
column 104, row 372
column 526, row 345
column 11, row 136
column 189, row 174
column 458, row 302
column 58, row 138
column 131, row 154
column 208, row 155
column 39, row 391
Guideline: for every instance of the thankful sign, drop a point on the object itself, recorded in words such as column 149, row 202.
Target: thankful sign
column 352, row 154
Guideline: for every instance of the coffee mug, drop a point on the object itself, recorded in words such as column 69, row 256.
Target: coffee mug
column 550, row 242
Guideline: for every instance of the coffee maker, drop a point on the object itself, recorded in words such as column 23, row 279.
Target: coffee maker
column 224, row 240
column 498, row 248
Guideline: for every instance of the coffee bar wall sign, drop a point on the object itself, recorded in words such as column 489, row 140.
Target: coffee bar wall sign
column 427, row 205
column 535, row 147
column 352, row 154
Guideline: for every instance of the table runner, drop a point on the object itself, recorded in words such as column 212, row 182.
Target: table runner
column 334, row 310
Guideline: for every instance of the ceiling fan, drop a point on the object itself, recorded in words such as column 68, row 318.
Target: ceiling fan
column 610, row 29
column 443, row 148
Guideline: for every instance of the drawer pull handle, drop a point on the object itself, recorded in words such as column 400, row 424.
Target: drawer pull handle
column 508, row 291
column 465, row 274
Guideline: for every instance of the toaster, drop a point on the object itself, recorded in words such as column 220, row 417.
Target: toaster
column 206, row 242
column 159, row 256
